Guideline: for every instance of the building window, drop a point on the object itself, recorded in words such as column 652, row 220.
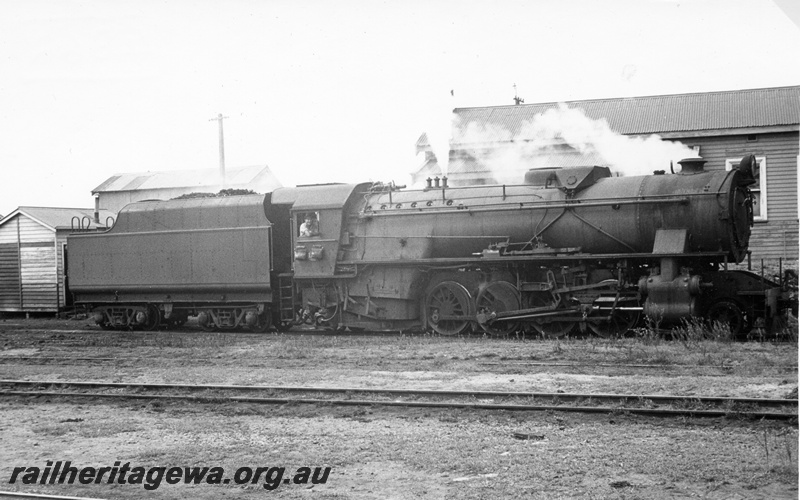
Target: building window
column 759, row 189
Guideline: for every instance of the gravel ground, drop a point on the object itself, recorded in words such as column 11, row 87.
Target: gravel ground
column 401, row 453
column 375, row 453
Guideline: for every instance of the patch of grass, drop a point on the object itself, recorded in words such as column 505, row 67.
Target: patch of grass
column 53, row 430
column 85, row 429
column 779, row 447
column 181, row 340
column 695, row 331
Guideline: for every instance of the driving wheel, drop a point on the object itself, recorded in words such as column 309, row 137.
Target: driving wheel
column 447, row 308
column 498, row 297
column 545, row 326
column 620, row 323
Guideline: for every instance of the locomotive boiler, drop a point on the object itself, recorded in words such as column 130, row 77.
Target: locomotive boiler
column 565, row 249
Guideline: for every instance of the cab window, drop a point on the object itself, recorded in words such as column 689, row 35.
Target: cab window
column 308, row 224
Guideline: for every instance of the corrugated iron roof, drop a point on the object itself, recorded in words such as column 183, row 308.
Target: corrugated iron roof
column 767, row 107
column 238, row 177
column 60, row 218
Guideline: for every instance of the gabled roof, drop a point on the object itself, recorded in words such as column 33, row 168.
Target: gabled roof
column 61, row 218
column 768, row 107
column 257, row 176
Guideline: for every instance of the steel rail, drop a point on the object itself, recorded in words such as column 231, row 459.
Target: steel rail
column 74, row 358
column 608, row 365
column 424, row 404
column 411, row 392
column 482, row 363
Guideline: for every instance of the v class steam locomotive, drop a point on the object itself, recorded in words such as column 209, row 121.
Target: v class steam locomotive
column 570, row 248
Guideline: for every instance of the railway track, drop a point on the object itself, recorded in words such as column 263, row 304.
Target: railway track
column 708, row 370
column 194, row 330
column 560, row 364
column 636, row 404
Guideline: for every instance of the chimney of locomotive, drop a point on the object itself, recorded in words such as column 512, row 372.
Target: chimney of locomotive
column 746, row 167
column 691, row 165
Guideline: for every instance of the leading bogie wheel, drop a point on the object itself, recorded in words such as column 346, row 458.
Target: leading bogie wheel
column 727, row 313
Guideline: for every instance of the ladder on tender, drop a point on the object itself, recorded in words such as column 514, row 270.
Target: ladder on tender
column 286, row 294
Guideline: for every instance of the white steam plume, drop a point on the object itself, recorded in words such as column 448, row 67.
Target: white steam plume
column 439, row 128
column 545, row 140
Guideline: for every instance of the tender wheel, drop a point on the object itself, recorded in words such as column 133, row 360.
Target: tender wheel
column 263, row 322
column 205, row 321
column 447, row 308
column 176, row 320
column 729, row 313
column 153, row 319
column 545, row 327
column 497, row 297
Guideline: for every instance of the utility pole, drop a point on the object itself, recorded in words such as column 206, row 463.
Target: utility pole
column 219, row 118
column 517, row 99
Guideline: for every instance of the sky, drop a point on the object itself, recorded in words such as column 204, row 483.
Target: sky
column 324, row 91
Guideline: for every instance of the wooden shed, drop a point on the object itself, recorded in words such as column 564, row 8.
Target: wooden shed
column 33, row 255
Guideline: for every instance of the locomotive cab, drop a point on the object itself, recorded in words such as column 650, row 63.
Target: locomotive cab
column 313, row 218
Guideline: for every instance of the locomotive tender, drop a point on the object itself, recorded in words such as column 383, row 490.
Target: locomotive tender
column 569, row 248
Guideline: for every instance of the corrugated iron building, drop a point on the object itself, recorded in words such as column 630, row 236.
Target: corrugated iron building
column 122, row 189
column 721, row 127
column 33, row 254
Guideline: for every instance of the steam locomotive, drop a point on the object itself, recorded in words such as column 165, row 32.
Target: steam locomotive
column 567, row 249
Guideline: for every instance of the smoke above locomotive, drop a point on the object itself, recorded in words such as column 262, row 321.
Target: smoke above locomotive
column 560, row 136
